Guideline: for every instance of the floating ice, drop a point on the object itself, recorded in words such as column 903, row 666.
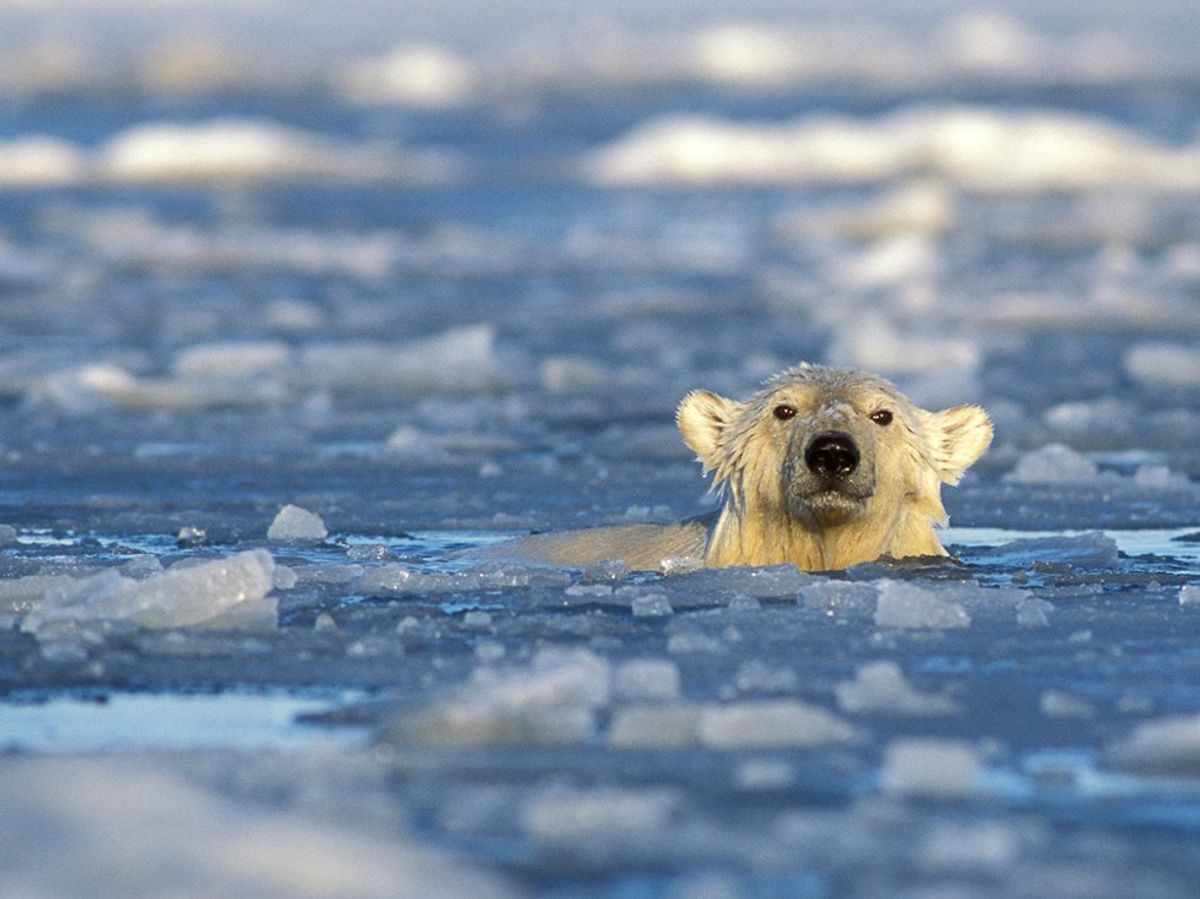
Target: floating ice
column 1166, row 745
column 243, row 149
column 907, row 605
column 109, row 828
column 1189, row 595
column 554, row 700
column 1092, row 549
column 757, row 676
column 1158, row 364
column 591, row 820
column 396, row 578
column 651, row 605
column 977, row 148
column 293, row 524
column 23, row 594
column 870, row 342
column 880, row 688
column 417, row 75
column 660, row 726
column 839, row 598
column 182, row 596
column 897, row 261
column 232, row 360
column 914, row 207
column 930, row 767
column 40, row 162
column 1053, row 464
column 1032, row 612
column 1057, row 704
column 762, row 724
column 647, row 679
column 460, row 359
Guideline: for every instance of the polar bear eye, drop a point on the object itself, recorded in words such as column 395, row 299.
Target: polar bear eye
column 881, row 417
column 784, row 412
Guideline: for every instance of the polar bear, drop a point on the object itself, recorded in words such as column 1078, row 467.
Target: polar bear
column 823, row 468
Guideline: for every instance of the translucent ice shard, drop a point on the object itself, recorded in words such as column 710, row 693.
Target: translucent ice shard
column 182, row 596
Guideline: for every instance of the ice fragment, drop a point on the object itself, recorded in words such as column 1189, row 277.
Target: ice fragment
column 906, row 605
column 293, row 524
column 930, row 767
column 880, row 688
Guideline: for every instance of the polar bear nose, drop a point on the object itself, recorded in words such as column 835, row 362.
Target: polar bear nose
column 832, row 455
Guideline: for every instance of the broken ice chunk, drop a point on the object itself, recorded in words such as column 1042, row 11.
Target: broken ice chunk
column 296, row 525
column 179, row 597
column 1166, row 745
column 592, row 820
column 1056, row 704
column 930, row 767
column 1053, row 464
column 651, row 605
column 668, row 726
column 552, row 701
column 757, row 676
column 1032, row 612
column 771, row 723
column 1092, row 549
column 647, row 679
column 880, row 688
column 909, row 606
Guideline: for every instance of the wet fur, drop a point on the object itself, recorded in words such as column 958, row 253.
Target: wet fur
column 766, row 518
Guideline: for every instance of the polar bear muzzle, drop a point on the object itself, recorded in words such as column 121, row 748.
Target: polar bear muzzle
column 828, row 476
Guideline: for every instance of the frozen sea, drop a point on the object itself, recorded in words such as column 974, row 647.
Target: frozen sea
column 272, row 356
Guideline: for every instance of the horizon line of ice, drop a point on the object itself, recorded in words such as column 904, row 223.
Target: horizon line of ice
column 215, row 150
column 975, row 148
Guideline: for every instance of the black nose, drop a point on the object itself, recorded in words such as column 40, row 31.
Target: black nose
column 832, row 455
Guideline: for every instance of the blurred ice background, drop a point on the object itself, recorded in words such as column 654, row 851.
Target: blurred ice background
column 297, row 299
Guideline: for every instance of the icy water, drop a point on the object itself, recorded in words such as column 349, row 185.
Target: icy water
column 441, row 326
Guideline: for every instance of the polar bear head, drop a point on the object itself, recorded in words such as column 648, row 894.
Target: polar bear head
column 828, row 467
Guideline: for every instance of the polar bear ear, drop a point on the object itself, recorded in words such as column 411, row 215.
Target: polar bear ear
column 957, row 437
column 702, row 418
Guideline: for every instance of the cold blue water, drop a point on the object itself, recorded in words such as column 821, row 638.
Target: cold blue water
column 436, row 321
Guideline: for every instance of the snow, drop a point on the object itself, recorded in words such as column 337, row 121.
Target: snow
column 293, row 524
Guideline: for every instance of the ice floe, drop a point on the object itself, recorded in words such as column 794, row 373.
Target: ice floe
column 186, row 595
column 975, row 148
column 293, row 524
